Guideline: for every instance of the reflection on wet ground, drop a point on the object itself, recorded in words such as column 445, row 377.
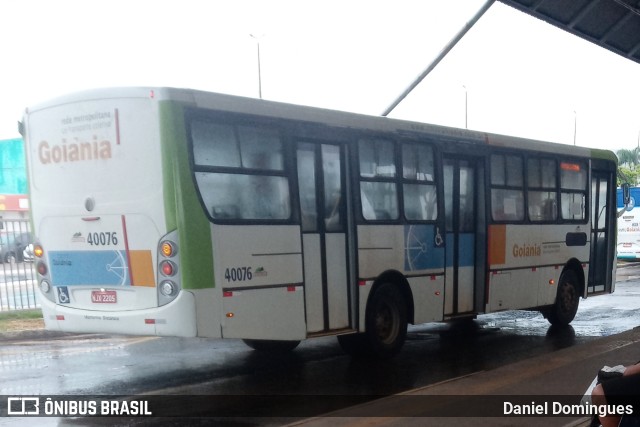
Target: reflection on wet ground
column 105, row 364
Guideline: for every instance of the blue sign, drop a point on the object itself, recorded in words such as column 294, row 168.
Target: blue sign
column 423, row 248
column 98, row 268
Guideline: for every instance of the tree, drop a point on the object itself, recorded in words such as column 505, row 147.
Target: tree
column 628, row 158
column 627, row 175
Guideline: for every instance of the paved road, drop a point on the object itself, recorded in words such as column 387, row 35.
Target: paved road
column 50, row 363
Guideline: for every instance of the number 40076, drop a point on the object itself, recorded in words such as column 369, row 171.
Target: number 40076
column 238, row 274
column 103, row 239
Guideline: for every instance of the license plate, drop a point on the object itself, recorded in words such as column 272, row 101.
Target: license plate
column 104, row 297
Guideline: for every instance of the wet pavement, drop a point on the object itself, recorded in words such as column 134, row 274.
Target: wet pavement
column 54, row 363
column 555, row 380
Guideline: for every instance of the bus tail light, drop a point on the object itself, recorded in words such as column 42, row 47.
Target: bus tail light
column 45, row 287
column 44, row 281
column 169, row 281
column 42, row 268
column 168, row 249
column 168, row 268
column 168, row 288
column 38, row 251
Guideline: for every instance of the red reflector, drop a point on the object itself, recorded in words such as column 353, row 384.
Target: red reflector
column 362, row 283
column 534, row 269
column 150, row 321
column 227, row 294
column 291, row 288
column 59, row 317
column 433, row 277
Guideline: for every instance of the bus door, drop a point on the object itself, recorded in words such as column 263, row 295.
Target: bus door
column 461, row 192
column 602, row 237
column 323, row 209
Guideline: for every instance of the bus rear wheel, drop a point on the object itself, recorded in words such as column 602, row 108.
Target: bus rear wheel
column 272, row 346
column 386, row 321
column 564, row 310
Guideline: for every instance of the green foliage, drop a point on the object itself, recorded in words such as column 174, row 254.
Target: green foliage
column 20, row 314
column 628, row 175
column 628, row 161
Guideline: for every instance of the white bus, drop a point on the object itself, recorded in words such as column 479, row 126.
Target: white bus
column 182, row 213
column 629, row 225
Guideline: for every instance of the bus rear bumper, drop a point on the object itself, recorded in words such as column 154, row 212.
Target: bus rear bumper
column 177, row 318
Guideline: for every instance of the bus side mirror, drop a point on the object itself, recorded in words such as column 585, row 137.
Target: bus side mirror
column 626, row 194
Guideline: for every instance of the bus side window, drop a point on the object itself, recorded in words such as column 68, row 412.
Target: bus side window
column 507, row 192
column 240, row 171
column 573, row 190
column 378, row 187
column 418, row 189
column 542, row 190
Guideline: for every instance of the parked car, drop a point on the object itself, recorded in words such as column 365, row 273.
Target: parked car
column 12, row 246
column 27, row 254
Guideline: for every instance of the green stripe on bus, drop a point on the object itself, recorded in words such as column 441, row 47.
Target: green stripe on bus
column 182, row 206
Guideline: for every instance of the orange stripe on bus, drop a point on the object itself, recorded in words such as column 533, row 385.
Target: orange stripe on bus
column 141, row 268
column 497, row 244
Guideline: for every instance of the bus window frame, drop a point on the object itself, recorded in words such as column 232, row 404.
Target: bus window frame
column 556, row 188
column 398, row 179
column 435, row 181
column 393, row 180
column 526, row 155
column 490, row 186
column 198, row 114
column 586, row 193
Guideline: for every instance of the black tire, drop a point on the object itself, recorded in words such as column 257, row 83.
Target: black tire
column 386, row 321
column 272, row 346
column 10, row 258
column 564, row 310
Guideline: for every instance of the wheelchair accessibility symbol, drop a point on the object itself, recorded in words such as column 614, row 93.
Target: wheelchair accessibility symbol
column 63, row 295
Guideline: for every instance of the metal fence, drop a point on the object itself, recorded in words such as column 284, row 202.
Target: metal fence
column 17, row 274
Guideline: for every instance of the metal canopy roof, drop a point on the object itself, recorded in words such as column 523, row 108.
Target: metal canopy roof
column 612, row 24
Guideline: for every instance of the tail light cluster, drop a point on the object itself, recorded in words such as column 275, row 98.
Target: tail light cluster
column 44, row 280
column 169, row 283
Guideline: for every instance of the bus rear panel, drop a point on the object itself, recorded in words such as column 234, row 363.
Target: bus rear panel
column 97, row 204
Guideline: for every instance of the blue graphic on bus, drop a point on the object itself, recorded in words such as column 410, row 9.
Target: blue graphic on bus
column 423, row 248
column 98, row 268
column 63, row 295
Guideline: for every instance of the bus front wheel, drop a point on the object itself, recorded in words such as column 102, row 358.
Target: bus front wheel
column 563, row 311
column 386, row 321
column 272, row 346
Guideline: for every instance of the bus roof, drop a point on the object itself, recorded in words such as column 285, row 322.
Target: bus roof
column 321, row 116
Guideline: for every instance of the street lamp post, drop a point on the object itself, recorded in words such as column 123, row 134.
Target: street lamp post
column 575, row 126
column 257, row 39
column 466, row 108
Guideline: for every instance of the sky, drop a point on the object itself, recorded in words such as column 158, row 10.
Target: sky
column 519, row 75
